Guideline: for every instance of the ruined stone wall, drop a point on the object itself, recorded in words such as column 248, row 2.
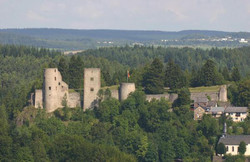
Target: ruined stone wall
column 223, row 93
column 173, row 97
column 170, row 97
column 54, row 92
column 38, row 98
column 74, row 100
column 62, row 90
column 115, row 93
column 125, row 90
column 32, row 99
column 92, row 84
column 213, row 95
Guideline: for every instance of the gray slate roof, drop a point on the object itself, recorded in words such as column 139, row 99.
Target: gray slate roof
column 235, row 139
column 236, row 109
column 211, row 104
column 201, row 99
column 217, row 109
column 204, row 108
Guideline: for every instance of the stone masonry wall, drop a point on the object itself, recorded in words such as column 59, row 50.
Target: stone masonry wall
column 213, row 95
column 92, row 84
column 38, row 98
column 170, row 97
column 74, row 100
column 125, row 90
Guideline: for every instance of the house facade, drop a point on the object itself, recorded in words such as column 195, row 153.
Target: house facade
column 238, row 114
column 216, row 112
column 199, row 112
column 232, row 143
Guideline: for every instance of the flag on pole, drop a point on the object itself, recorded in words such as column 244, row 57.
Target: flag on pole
column 128, row 74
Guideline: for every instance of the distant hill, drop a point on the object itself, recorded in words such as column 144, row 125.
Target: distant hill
column 73, row 39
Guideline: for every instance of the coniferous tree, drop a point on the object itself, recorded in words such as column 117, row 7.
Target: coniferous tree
column 242, row 148
column 221, row 149
column 154, row 78
column 195, row 79
column 244, row 93
column 75, row 72
column 183, row 98
column 107, row 78
column 226, row 74
column 174, row 77
column 63, row 68
column 52, row 64
column 72, row 72
column 236, row 74
column 209, row 74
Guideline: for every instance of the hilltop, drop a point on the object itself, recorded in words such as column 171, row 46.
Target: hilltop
column 73, row 39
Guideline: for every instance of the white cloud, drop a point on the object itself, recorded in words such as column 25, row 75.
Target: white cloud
column 31, row 15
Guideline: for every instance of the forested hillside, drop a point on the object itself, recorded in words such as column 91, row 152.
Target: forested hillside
column 131, row 130
column 72, row 39
column 186, row 58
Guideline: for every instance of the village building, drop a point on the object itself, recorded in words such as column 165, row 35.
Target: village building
column 199, row 112
column 212, row 104
column 200, row 101
column 237, row 114
column 216, row 112
column 232, row 142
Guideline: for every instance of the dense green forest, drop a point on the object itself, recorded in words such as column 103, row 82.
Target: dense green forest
column 131, row 130
column 186, row 58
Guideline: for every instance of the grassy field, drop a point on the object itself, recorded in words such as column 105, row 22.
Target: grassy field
column 71, row 90
column 111, row 87
column 205, row 89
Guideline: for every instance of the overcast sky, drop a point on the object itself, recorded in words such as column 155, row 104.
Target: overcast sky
column 166, row 15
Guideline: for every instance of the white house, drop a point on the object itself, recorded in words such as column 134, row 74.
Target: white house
column 242, row 40
column 237, row 114
column 232, row 143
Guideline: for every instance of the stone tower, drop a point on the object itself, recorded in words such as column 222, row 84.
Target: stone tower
column 92, row 85
column 55, row 90
column 223, row 93
column 125, row 90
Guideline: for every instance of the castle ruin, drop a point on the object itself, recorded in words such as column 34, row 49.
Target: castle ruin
column 220, row 95
column 223, row 93
column 92, row 85
column 54, row 92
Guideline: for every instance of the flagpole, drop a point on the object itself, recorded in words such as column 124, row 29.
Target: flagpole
column 127, row 76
